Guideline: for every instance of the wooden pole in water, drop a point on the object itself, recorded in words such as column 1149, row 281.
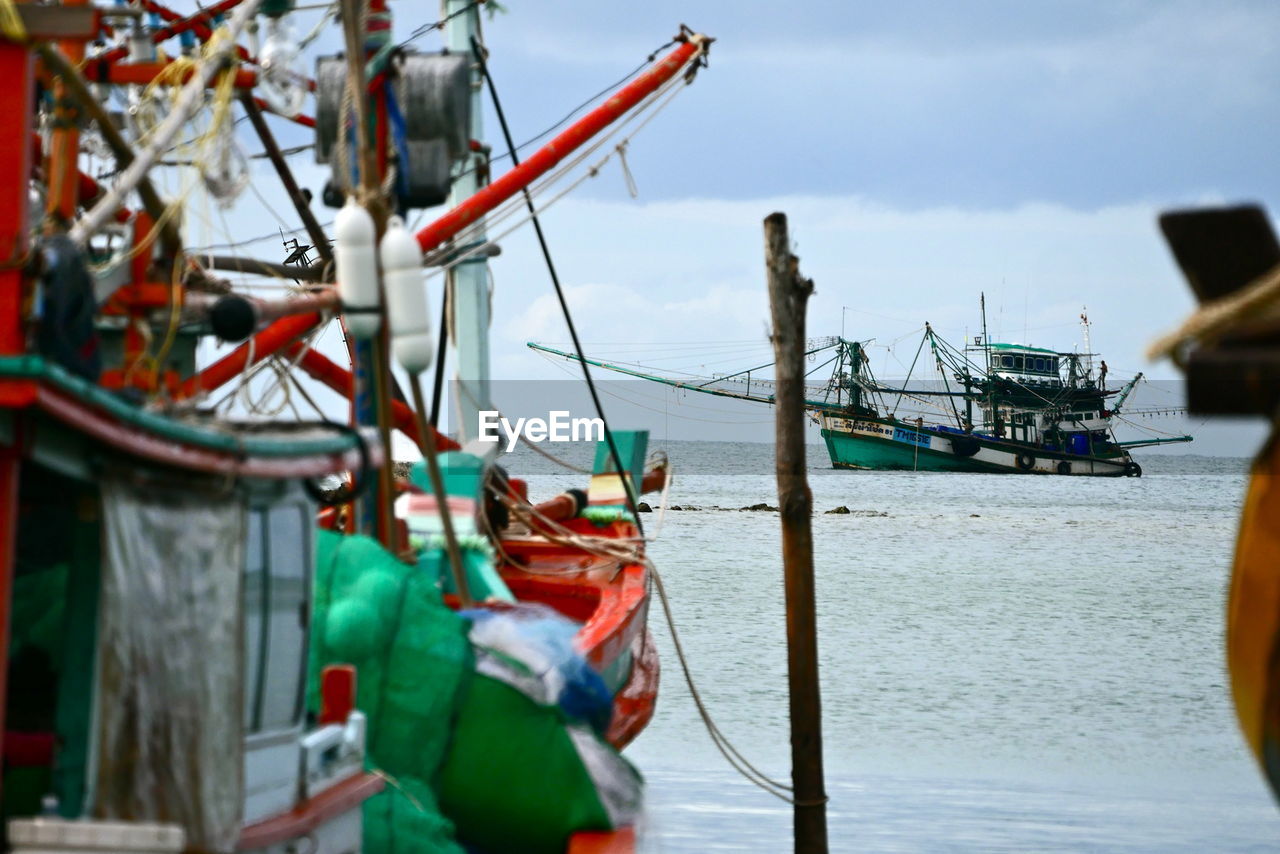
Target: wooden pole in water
column 788, row 294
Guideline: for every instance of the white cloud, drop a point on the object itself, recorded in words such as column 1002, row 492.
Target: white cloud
column 693, row 271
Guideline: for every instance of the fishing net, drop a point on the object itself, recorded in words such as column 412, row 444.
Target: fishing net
column 477, row 747
column 411, row 656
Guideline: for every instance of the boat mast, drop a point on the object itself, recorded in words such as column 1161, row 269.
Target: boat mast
column 468, row 281
column 994, row 426
column 1087, row 360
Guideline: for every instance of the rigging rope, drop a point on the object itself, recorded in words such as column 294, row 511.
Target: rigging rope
column 632, row 502
column 628, row 552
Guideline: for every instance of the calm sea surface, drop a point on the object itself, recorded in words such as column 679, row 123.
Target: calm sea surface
column 1008, row 663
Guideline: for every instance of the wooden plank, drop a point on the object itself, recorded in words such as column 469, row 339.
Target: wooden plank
column 1220, row 250
column 1234, row 381
column 60, row 22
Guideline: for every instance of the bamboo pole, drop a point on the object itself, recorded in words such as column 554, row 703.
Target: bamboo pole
column 788, row 294
column 429, row 452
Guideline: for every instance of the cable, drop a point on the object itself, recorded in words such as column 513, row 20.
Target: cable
column 627, row 485
column 569, row 115
column 436, row 25
column 597, row 96
column 629, row 552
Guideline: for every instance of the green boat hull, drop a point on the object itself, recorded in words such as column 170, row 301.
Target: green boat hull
column 858, row 452
column 881, row 445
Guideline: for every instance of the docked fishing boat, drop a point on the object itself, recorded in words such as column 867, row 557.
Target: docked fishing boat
column 1004, row 407
column 230, row 626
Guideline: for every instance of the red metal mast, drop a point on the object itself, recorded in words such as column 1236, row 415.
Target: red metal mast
column 545, row 158
column 288, row 329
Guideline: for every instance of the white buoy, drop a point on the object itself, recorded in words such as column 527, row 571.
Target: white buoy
column 357, row 269
column 407, row 312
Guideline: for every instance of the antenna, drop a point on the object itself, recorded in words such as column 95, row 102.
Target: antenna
column 1088, row 348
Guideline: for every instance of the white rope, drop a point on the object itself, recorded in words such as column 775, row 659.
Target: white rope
column 665, row 463
column 190, row 99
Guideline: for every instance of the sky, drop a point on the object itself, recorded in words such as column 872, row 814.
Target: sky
column 924, row 152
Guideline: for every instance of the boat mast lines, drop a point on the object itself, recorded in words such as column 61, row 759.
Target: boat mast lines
column 1035, row 392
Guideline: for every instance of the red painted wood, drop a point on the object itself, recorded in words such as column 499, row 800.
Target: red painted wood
column 612, row 602
column 200, row 24
column 61, row 174
column 621, row 841
column 263, row 344
column 339, row 379
column 308, row 816
column 553, row 152
column 15, row 171
column 634, row 703
column 17, row 394
column 337, row 693
column 142, row 73
column 304, row 120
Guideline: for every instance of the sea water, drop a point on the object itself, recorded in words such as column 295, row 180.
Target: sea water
column 1007, row 663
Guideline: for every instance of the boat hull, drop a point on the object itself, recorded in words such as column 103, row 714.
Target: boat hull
column 884, row 445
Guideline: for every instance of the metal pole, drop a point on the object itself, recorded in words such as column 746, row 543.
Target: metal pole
column 788, row 293
column 300, row 203
column 468, row 282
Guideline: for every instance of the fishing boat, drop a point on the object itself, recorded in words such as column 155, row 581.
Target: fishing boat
column 1229, row 350
column 1008, row 408
column 231, row 626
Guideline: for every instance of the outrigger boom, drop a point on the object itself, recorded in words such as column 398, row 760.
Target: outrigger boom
column 1026, row 410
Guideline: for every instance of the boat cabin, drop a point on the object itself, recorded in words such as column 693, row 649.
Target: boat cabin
column 1027, row 365
column 159, row 589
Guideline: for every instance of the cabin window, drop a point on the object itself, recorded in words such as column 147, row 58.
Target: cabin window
column 1040, row 364
column 1006, row 361
column 290, row 557
column 254, row 624
column 278, row 555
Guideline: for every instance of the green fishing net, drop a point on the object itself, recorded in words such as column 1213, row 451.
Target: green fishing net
column 473, row 747
column 411, row 657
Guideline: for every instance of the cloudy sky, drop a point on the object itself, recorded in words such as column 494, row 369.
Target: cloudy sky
column 924, row 151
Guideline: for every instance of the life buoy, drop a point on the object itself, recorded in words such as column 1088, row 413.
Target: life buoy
column 1025, row 461
column 1064, row 467
column 1132, row 469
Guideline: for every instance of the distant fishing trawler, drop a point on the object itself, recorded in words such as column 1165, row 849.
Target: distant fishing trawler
column 1025, row 410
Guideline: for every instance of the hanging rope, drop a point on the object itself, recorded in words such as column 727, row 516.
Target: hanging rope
column 11, row 26
column 621, row 469
column 628, row 551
